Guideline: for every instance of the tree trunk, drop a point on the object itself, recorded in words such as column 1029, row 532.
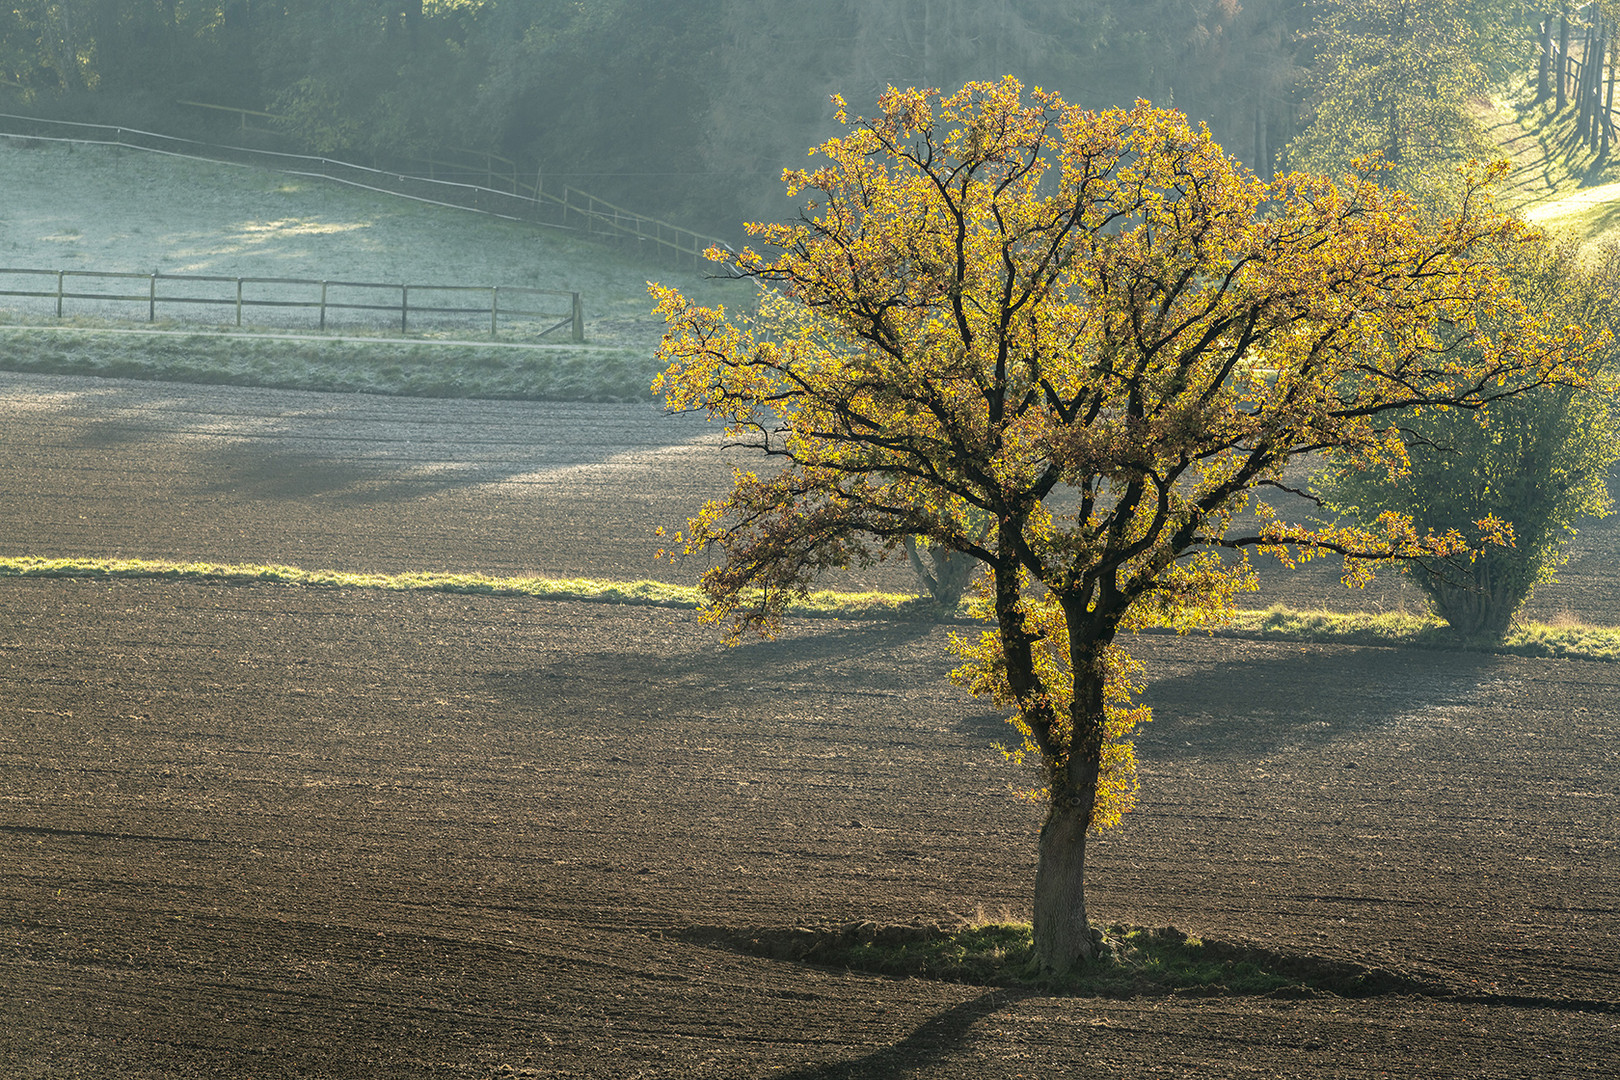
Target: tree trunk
column 1479, row 602
column 1063, row 936
column 1593, row 70
column 1607, row 112
column 1544, row 69
column 947, row 573
column 1261, row 151
column 1600, row 119
column 1583, row 98
column 1563, row 62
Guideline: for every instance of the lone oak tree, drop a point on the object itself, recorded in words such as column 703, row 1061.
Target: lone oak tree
column 1097, row 333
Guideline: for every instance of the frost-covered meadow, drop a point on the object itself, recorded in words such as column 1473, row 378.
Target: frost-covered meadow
column 97, row 208
column 79, row 208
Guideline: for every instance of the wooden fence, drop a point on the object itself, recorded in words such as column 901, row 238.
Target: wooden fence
column 499, row 191
column 1576, row 66
column 102, row 292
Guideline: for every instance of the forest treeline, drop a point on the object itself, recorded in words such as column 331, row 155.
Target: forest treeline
column 687, row 108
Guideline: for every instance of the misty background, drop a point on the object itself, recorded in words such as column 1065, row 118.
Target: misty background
column 687, row 109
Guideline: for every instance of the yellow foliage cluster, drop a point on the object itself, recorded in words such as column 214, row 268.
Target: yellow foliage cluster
column 982, row 673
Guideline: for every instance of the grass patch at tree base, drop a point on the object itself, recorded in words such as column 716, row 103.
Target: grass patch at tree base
column 1135, row 961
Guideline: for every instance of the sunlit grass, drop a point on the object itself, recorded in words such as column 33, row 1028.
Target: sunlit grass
column 1134, row 961
column 1555, row 178
column 1563, row 639
column 645, row 593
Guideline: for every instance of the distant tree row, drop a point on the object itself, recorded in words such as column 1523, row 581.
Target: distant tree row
column 683, row 106
column 691, row 107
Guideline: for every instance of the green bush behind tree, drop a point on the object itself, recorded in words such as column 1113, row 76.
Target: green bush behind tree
column 1539, row 461
column 1392, row 90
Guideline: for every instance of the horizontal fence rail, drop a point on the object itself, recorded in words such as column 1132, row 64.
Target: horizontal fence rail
column 572, row 209
column 111, row 293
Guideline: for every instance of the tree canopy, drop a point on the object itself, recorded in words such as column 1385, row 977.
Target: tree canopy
column 1097, row 333
column 1396, row 78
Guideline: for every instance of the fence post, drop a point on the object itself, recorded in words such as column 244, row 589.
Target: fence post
column 494, row 307
column 579, row 319
column 151, row 300
column 404, row 305
column 59, row 294
column 239, row 289
column 323, row 305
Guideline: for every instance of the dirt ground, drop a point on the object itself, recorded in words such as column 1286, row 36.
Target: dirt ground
column 261, row 831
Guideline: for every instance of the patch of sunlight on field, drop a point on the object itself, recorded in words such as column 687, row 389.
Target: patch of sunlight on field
column 1592, row 214
column 300, row 227
column 1575, row 203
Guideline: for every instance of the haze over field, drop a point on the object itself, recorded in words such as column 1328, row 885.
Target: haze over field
column 353, row 722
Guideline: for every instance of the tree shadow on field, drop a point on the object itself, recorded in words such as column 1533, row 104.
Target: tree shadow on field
column 107, row 435
column 931, row 1045
column 1302, row 696
column 265, row 472
column 858, row 659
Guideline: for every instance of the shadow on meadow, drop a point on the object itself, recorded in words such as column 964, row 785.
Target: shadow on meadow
column 1280, row 695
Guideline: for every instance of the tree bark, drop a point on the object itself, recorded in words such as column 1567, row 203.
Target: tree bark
column 1544, row 69
column 1607, row 112
column 1563, row 61
column 1479, row 604
column 1062, row 934
column 1582, row 97
column 1591, row 69
column 1599, row 122
column 1260, row 154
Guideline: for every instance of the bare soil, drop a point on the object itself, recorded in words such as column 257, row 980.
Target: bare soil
column 263, row 831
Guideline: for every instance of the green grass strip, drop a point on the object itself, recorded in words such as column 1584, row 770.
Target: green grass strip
column 644, row 593
column 1574, row 641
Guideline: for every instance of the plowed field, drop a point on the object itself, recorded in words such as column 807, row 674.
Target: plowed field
column 263, row 831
